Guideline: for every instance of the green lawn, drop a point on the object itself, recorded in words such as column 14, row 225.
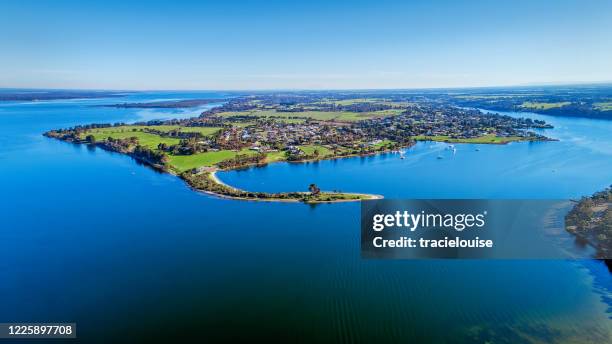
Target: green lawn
column 187, row 162
column 382, row 143
column 482, row 139
column 543, row 106
column 275, row 156
column 205, row 131
column 323, row 151
column 144, row 139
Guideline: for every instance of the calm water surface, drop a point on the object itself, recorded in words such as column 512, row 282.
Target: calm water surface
column 92, row 237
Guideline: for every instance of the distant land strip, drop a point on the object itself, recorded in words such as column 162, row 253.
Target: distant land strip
column 169, row 104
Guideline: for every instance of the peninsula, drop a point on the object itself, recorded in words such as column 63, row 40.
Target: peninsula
column 590, row 220
column 296, row 127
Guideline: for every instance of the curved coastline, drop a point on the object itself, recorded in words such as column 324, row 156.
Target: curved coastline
column 207, row 181
column 353, row 196
column 215, row 178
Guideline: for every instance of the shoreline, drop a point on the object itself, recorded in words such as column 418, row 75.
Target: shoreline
column 213, row 176
column 289, row 197
column 204, row 178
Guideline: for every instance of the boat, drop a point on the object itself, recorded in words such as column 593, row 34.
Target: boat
column 440, row 157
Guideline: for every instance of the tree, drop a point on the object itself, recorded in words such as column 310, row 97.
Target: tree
column 314, row 189
column 90, row 139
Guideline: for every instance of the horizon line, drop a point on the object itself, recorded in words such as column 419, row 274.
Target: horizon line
column 542, row 84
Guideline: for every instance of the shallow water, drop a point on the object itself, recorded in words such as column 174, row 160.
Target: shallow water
column 95, row 238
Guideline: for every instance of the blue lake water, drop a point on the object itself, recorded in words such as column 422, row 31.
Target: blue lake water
column 92, row 237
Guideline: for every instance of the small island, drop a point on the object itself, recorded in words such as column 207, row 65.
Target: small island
column 262, row 129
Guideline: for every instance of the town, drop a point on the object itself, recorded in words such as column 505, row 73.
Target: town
column 261, row 129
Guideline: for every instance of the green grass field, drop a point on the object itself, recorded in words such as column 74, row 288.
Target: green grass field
column 144, row 139
column 483, row 139
column 323, row 151
column 382, row 143
column 186, row 162
column 205, row 131
column 183, row 163
column 275, row 156
column 543, row 106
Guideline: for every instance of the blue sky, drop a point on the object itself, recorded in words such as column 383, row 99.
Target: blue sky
column 309, row 44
